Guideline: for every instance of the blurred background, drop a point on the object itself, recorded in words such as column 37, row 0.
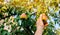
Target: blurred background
column 12, row 23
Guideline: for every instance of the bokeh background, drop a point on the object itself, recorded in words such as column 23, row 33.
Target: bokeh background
column 11, row 22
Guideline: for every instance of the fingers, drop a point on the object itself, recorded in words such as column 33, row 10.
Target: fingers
column 40, row 22
column 43, row 16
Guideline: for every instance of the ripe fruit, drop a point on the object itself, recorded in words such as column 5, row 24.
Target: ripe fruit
column 44, row 18
column 23, row 16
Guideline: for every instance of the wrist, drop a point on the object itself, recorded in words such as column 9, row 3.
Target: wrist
column 40, row 29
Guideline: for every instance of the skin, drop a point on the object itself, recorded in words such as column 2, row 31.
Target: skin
column 39, row 24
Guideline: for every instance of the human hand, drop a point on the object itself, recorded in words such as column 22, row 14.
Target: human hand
column 40, row 24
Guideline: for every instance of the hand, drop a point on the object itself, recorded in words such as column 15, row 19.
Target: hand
column 40, row 24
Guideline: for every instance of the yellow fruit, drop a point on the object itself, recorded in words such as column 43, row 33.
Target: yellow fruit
column 44, row 18
column 23, row 16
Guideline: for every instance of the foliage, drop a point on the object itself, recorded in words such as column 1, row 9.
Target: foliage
column 11, row 22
